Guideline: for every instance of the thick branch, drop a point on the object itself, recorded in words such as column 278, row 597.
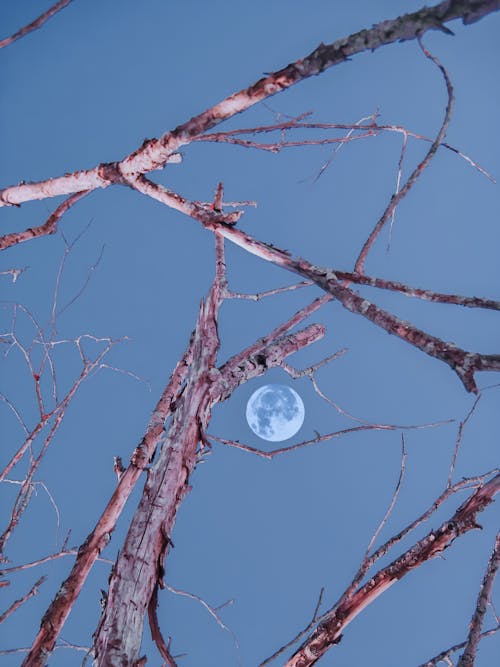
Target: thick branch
column 329, row 631
column 148, row 540
column 139, row 567
column 154, row 153
column 58, row 611
column 464, row 363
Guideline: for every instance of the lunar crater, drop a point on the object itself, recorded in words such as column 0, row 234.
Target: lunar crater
column 275, row 412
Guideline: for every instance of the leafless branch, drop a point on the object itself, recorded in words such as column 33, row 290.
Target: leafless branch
column 329, row 631
column 15, row 273
column 211, row 610
column 49, row 227
column 156, row 634
column 468, row 657
column 37, row 23
column 416, row 173
column 426, row 295
column 55, row 616
column 458, row 441
column 18, row 603
column 444, row 656
column 300, row 634
column 393, row 499
column 368, row 128
column 273, row 453
column 155, row 153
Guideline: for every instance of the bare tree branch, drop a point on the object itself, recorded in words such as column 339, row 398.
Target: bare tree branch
column 49, row 227
column 444, row 656
column 426, row 295
column 467, row 659
column 329, row 631
column 155, row 153
column 55, row 616
column 416, row 173
column 37, row 23
column 18, row 603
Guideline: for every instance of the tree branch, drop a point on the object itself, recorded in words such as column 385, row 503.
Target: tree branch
column 329, row 631
column 468, row 657
column 155, row 153
column 37, row 23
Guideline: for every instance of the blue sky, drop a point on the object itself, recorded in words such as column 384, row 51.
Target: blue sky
column 89, row 87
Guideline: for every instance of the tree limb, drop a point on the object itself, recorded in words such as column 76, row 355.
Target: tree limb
column 155, row 153
column 329, row 631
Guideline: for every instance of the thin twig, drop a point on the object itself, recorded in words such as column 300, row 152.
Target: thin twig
column 49, row 227
column 393, row 499
column 416, row 173
column 467, row 659
column 458, row 440
column 300, row 634
column 15, row 605
column 271, row 454
column 37, row 23
column 445, row 655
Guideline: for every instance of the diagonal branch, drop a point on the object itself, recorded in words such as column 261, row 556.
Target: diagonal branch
column 48, row 227
column 464, row 363
column 468, row 657
column 58, row 611
column 155, row 153
column 425, row 295
column 18, row 603
column 414, row 176
column 329, row 631
column 37, row 23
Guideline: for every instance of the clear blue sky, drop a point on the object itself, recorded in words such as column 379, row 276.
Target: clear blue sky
column 89, row 87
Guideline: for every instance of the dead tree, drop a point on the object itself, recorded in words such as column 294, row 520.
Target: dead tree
column 177, row 436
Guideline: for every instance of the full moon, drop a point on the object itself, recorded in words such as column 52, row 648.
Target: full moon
column 275, row 412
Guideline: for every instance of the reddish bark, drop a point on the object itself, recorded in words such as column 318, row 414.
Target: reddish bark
column 329, row 631
column 37, row 23
column 139, row 568
column 155, row 153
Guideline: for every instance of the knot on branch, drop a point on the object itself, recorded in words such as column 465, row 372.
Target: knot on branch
column 140, row 457
column 110, row 172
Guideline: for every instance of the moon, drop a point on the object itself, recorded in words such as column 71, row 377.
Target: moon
column 275, row 412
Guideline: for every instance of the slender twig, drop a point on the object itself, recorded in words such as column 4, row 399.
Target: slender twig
column 299, row 634
column 15, row 273
column 444, row 656
column 329, row 631
column 18, row 603
column 458, row 440
column 37, row 23
column 258, row 296
column 49, row 227
column 416, row 173
column 273, row 453
column 211, row 610
column 467, row 659
column 394, row 498
column 370, row 129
